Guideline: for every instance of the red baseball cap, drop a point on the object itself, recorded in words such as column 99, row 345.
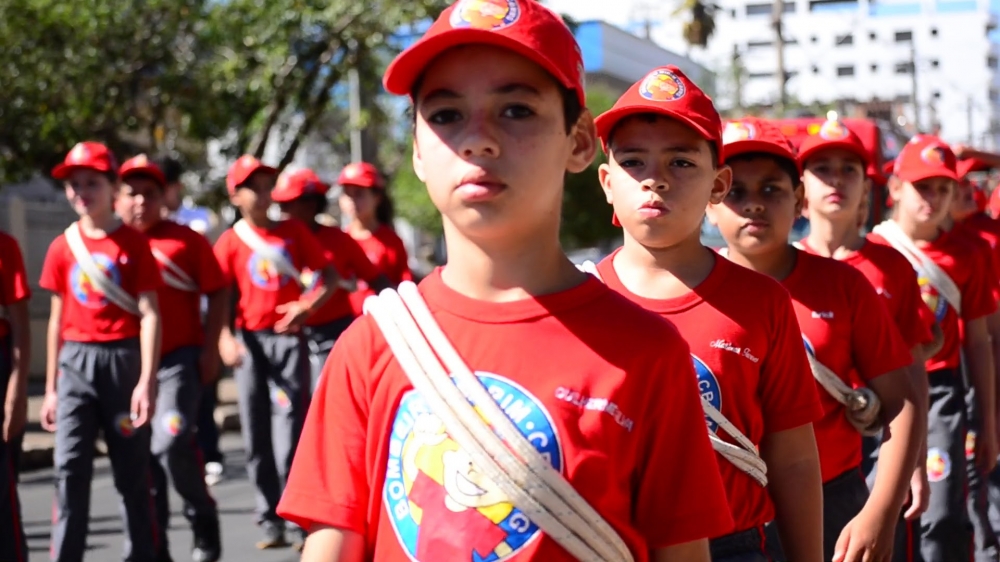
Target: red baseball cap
column 242, row 169
column 523, row 26
column 141, row 164
column 970, row 165
column 666, row 91
column 925, row 157
column 752, row 134
column 293, row 185
column 87, row 155
column 833, row 134
column 360, row 174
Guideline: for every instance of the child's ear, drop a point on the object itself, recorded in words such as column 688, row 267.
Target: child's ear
column 800, row 199
column 604, row 175
column 418, row 162
column 584, row 143
column 721, row 185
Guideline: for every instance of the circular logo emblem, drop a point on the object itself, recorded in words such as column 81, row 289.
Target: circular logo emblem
column 491, row 15
column 173, row 422
column 736, row 131
column 933, row 154
column 970, row 445
column 264, row 273
column 123, row 424
column 440, row 503
column 938, row 465
column 931, row 297
column 833, row 130
column 84, row 288
column 809, row 346
column 708, row 386
column 280, row 397
column 662, row 85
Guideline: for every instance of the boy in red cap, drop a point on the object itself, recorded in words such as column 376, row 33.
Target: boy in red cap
column 663, row 138
column 189, row 355
column 955, row 285
column 856, row 354
column 103, row 347
column 302, row 195
column 15, row 348
column 611, row 405
column 365, row 202
column 264, row 259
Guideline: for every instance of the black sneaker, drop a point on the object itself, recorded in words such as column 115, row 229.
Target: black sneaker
column 300, row 543
column 274, row 536
column 207, row 540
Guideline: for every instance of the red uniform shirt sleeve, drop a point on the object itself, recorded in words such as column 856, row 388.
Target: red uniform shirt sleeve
column 977, row 294
column 210, row 276
column 328, row 483
column 313, row 254
column 876, row 344
column 14, row 283
column 788, row 394
column 53, row 269
column 914, row 319
column 358, row 262
column 693, row 488
column 224, row 255
column 400, row 268
column 147, row 271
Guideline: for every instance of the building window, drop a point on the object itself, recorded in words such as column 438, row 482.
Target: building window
column 904, row 36
column 994, row 94
column 759, row 44
column 814, row 39
column 903, row 98
column 844, row 40
column 872, row 35
column 815, row 70
column 766, row 9
column 933, row 32
column 904, row 67
column 935, row 63
column 761, row 75
column 832, row 5
column 991, row 61
column 732, row 13
column 845, row 71
column 937, row 95
column 874, row 68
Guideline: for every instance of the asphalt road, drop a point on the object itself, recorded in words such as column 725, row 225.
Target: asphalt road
column 234, row 496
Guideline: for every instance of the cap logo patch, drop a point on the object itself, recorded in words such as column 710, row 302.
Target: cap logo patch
column 490, row 15
column 833, row 131
column 662, row 85
column 140, row 161
column 80, row 153
column 933, row 154
column 738, row 131
column 282, row 183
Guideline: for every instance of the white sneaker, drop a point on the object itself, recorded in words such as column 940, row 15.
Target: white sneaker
column 214, row 473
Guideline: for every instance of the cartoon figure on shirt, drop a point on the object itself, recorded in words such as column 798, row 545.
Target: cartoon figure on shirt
column 485, row 14
column 441, row 504
column 933, row 299
column 83, row 287
column 708, row 385
column 264, row 272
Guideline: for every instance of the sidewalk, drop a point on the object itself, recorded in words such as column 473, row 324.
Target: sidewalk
column 39, row 444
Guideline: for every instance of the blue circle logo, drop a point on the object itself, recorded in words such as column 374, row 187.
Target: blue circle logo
column 708, row 386
column 440, row 503
column 85, row 289
column 264, row 273
column 809, row 346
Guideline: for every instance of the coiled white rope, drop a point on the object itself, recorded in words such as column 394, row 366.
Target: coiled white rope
column 529, row 481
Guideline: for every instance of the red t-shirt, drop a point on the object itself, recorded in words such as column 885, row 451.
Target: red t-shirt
column 973, row 275
column 88, row 316
column 848, row 328
column 262, row 287
column 894, row 279
column 385, row 249
column 625, row 428
column 13, row 280
column 180, row 311
column 351, row 263
column 750, row 364
column 986, row 232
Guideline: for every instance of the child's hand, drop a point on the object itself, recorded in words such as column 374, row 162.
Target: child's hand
column 986, row 449
column 920, row 493
column 295, row 314
column 48, row 413
column 208, row 365
column 15, row 413
column 867, row 538
column 231, row 351
column 143, row 403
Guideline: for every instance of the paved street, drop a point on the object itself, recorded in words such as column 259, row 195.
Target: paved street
column 234, row 496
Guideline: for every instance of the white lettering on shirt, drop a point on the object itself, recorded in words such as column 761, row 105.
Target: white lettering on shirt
column 596, row 404
column 825, row 315
column 883, row 292
column 743, row 352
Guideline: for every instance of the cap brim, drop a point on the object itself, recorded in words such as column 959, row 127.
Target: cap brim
column 62, row 171
column 920, row 175
column 758, row 146
column 409, row 65
column 155, row 173
column 280, row 196
column 848, row 146
column 606, row 121
column 968, row 166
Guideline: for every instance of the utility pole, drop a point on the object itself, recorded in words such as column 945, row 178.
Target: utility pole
column 968, row 116
column 737, row 79
column 913, row 85
column 354, row 82
column 777, row 9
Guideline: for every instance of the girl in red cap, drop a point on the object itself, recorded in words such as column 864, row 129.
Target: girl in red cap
column 369, row 209
column 103, row 347
column 856, row 353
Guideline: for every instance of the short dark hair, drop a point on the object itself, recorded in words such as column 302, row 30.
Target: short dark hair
column 651, row 117
column 171, row 168
column 147, row 176
column 319, row 201
column 787, row 165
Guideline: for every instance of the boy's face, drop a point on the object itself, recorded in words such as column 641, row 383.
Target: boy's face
column 761, row 207
column 490, row 142
column 300, row 208
column 140, row 201
column 358, row 202
column 835, row 183
column 254, row 197
column 660, row 178
column 925, row 202
column 963, row 203
column 89, row 192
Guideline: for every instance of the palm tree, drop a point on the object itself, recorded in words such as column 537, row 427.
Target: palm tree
column 700, row 24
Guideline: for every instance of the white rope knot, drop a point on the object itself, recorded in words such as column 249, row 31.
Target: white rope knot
column 864, row 411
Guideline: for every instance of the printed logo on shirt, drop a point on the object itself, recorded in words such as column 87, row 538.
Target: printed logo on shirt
column 173, row 423
column 491, row 15
column 662, row 85
column 933, row 299
column 279, row 397
column 309, row 280
column 264, row 273
column 970, row 445
column 123, row 424
column 708, row 386
column 938, row 465
column 441, row 504
column 83, row 287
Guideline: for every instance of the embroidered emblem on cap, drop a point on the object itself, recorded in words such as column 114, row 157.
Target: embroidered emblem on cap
column 933, row 154
column 282, row 183
column 491, row 15
column 738, row 131
column 80, row 153
column 140, row 160
column 833, row 130
column 662, row 85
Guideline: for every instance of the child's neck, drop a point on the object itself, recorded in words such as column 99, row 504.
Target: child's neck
column 917, row 232
column 509, row 270
column 666, row 273
column 264, row 222
column 777, row 264
column 832, row 238
column 98, row 225
column 363, row 227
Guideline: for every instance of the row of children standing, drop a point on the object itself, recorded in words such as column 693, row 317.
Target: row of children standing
column 128, row 352
column 797, row 356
